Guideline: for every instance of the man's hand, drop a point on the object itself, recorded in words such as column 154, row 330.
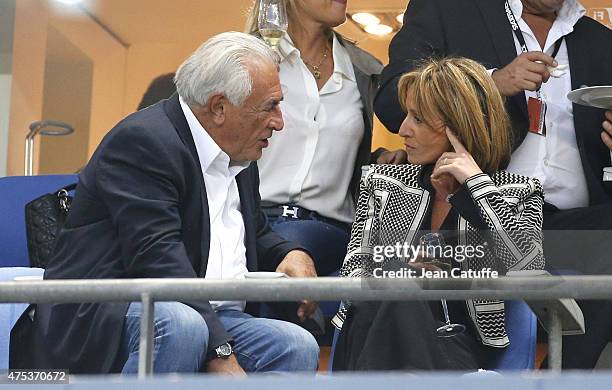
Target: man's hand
column 394, row 157
column 606, row 135
column 227, row 366
column 526, row 72
column 298, row 264
column 460, row 164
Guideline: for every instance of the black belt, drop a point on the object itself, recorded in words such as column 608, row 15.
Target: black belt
column 296, row 212
column 290, row 211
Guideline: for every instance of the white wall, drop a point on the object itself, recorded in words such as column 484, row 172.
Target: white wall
column 30, row 54
column 5, row 106
column 7, row 26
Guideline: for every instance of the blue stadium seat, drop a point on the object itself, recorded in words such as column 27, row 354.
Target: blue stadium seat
column 10, row 312
column 16, row 192
column 521, row 325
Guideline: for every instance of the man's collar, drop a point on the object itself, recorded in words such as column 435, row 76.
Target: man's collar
column 571, row 11
column 207, row 148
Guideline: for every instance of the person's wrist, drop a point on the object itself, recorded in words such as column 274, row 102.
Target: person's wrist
column 496, row 75
column 223, row 351
column 228, row 366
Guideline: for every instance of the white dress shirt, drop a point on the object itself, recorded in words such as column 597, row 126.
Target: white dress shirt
column 554, row 159
column 310, row 163
column 227, row 254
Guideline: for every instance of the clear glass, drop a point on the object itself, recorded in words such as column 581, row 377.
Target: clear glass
column 607, row 171
column 428, row 242
column 272, row 21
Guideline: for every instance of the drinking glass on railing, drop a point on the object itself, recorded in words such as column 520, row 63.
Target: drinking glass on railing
column 429, row 242
column 607, row 171
column 272, row 21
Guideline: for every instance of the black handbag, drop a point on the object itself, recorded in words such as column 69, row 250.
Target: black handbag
column 44, row 218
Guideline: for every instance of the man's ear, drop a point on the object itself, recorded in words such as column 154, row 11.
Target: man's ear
column 217, row 108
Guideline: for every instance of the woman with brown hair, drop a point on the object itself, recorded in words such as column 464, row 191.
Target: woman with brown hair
column 456, row 137
column 310, row 171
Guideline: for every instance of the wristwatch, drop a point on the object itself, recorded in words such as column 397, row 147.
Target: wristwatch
column 224, row 351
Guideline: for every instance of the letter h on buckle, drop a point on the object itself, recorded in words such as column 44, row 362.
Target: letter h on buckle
column 288, row 212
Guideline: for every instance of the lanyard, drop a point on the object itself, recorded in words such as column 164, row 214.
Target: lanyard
column 519, row 34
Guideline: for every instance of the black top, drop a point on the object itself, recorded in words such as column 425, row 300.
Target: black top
column 457, row 309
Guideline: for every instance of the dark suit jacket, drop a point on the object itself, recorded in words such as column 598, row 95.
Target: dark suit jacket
column 479, row 29
column 140, row 211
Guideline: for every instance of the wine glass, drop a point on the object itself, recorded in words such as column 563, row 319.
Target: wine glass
column 429, row 242
column 272, row 21
column 607, row 171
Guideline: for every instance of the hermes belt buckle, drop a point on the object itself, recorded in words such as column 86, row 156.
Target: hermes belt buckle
column 290, row 211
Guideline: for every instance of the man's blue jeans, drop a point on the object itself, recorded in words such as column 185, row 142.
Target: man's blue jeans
column 181, row 341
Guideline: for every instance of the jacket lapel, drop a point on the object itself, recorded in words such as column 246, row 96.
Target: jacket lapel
column 175, row 114
column 494, row 15
column 363, row 74
column 579, row 56
column 249, row 215
column 579, row 75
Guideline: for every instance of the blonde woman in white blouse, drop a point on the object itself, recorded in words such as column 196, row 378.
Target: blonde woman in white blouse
column 310, row 171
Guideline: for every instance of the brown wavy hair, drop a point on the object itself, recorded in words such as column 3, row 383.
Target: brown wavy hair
column 461, row 93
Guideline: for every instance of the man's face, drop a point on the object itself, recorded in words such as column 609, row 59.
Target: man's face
column 544, row 6
column 248, row 127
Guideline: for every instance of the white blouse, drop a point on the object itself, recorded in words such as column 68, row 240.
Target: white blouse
column 311, row 161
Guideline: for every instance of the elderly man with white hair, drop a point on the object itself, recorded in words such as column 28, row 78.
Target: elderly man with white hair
column 172, row 192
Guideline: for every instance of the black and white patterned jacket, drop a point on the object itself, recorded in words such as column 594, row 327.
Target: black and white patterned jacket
column 506, row 217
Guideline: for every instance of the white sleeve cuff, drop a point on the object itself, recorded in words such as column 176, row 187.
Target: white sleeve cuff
column 480, row 185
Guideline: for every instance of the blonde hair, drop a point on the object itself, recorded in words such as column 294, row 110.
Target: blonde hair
column 461, row 93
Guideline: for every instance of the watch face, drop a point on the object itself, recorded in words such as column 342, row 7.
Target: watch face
column 224, row 350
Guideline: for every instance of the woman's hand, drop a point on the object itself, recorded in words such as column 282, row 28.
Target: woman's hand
column 460, row 164
column 444, row 184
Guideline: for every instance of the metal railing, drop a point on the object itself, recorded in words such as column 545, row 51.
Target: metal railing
column 149, row 291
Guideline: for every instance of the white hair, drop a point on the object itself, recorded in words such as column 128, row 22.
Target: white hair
column 219, row 67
